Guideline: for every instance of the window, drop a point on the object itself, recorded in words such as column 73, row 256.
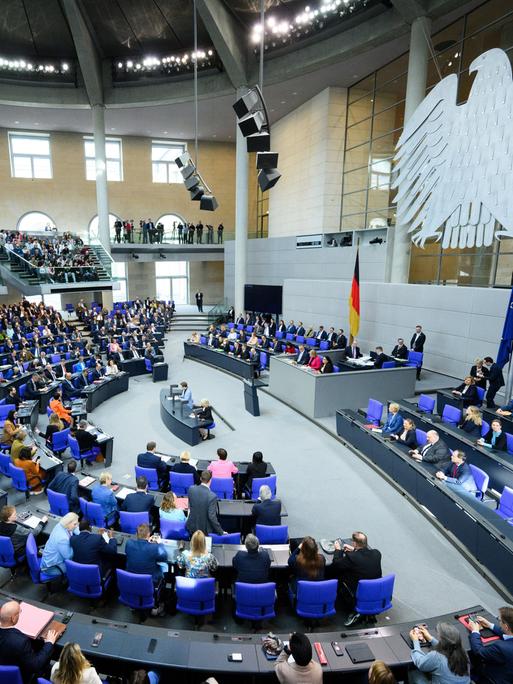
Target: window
column 170, row 223
column 30, row 155
column 172, row 281
column 163, row 167
column 380, row 174
column 93, row 226
column 36, row 222
column 119, row 275
column 113, row 159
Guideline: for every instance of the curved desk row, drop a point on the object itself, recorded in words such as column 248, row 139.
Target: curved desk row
column 487, row 538
column 124, row 647
column 109, row 387
column 444, row 397
column 220, row 359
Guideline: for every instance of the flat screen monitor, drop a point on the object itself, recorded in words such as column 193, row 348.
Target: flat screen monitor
column 263, row 298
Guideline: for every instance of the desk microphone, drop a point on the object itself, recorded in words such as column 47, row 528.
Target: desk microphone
column 109, row 624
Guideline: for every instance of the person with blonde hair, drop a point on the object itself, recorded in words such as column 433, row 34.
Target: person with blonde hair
column 197, row 562
column 58, row 549
column 102, row 494
column 479, row 373
column 73, row 668
column 380, row 673
column 472, row 421
column 168, row 509
column 54, row 425
column 204, row 414
column 394, row 422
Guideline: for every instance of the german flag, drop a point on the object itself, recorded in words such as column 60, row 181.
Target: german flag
column 354, row 301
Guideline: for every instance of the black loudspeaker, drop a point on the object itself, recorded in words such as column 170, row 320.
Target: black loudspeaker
column 267, row 178
column 188, row 170
column 197, row 193
column 261, row 142
column 192, row 182
column 183, row 160
column 267, row 160
column 251, row 124
column 208, row 203
column 245, row 104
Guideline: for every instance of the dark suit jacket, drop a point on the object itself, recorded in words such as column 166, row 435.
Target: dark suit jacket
column 92, row 549
column 67, row 483
column 418, row 345
column 500, row 442
column 436, row 453
column 202, row 511
column 496, row 658
column 380, row 360
column 300, row 331
column 31, row 391
column 252, row 566
column 356, row 565
column 349, row 353
column 303, row 357
column 324, row 335
column 18, row 649
column 186, row 468
column 341, row 342
column 142, row 557
column 138, row 502
column 85, row 440
column 267, row 512
column 149, row 460
column 495, row 377
column 68, row 391
column 410, row 439
column 400, row 352
column 470, row 397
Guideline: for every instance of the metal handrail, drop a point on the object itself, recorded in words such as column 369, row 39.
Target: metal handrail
column 218, row 313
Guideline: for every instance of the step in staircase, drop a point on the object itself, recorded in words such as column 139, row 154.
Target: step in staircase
column 189, row 322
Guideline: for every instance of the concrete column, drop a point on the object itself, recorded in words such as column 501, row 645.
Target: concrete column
column 241, row 215
column 415, row 93
column 102, row 192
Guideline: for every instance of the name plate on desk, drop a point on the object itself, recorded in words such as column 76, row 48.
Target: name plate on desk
column 86, row 481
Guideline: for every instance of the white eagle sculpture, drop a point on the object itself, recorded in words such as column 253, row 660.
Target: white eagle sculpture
column 454, row 164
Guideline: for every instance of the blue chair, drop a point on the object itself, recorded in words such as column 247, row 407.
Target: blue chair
column 94, row 513
column 316, row 600
column 300, row 339
column 421, row 437
column 5, row 462
column 426, row 404
column 272, row 534
column 21, row 391
column 240, row 326
column 69, row 308
column 209, row 427
column 203, row 339
column 151, row 475
column 415, row 359
column 451, row 415
column 374, row 596
column 59, row 504
column 311, row 342
column 250, row 328
column 19, row 480
column 180, row 482
column 336, row 369
column 233, row 538
column 222, row 487
column 88, row 455
column 34, row 563
column 60, row 441
column 505, row 506
column 388, row 364
column 129, row 522
column 485, row 427
column 136, row 591
column 279, row 335
column 48, row 411
column 231, row 325
column 85, row 581
column 173, row 529
column 10, row 674
column 509, row 443
column 7, row 557
column 481, row 395
column 289, row 337
column 374, row 411
column 324, row 345
column 264, row 360
column 481, row 479
column 76, row 367
column 4, row 410
column 255, row 602
column 42, row 680
column 196, row 596
column 149, row 366
column 258, row 482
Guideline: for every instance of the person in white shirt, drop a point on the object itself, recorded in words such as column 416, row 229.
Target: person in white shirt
column 112, row 368
column 71, row 665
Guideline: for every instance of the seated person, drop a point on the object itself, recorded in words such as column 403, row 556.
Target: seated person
column 185, row 467
column 223, row 467
column 145, row 554
column 149, row 459
column 69, row 391
column 302, row 355
column 19, row 443
column 82, row 380
column 66, row 483
column 394, row 422
column 315, row 362
column 295, row 663
column 353, row 350
column 446, row 661
column 73, row 667
column 236, row 349
column 58, row 546
column 253, row 340
column 471, row 422
column 86, row 440
column 204, row 414
column 112, row 368
column 495, row 438
column 434, row 451
column 194, row 338
column 257, row 468
column 54, row 425
column 326, row 365
column 91, row 549
column 57, row 407
column 264, row 343
column 407, row 435
column 321, row 334
column 244, row 352
column 102, row 494
column 197, row 562
column 168, row 509
column 139, row 501
column 11, row 428
column 253, row 564
column 306, row 563
column 17, row 533
column 277, row 346
column 496, row 659
column 29, row 462
column 400, row 351
column 351, row 563
column 458, row 474
column 467, row 392
column 379, row 358
column 266, row 511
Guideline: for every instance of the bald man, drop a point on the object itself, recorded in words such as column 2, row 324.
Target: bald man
column 18, row 649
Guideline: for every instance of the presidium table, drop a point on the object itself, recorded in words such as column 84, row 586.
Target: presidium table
column 176, row 417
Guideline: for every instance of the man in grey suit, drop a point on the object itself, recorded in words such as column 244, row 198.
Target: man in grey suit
column 434, row 451
column 203, row 507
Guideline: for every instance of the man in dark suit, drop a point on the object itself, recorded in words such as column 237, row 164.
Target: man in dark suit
column 149, row 459
column 272, row 328
column 495, row 380
column 33, row 387
column 303, row 355
column 341, row 341
column 400, row 351
column 252, row 566
column 353, row 350
column 291, row 329
column 203, row 507
column 185, row 467
column 418, row 340
column 300, row 329
column 496, row 659
column 81, row 380
column 144, row 554
column 434, row 451
column 67, row 483
column 139, row 501
column 18, row 649
column 321, row 334
column 68, row 389
column 351, row 563
column 379, row 358
column 92, row 549
column 332, row 337
column 266, row 511
column 458, row 474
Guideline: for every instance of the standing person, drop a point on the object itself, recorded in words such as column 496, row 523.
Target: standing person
column 180, row 232
column 160, row 232
column 417, row 343
column 199, row 301
column 73, row 668
column 495, row 380
column 117, row 229
column 144, row 226
column 199, row 233
column 185, row 239
column 203, row 507
column 192, row 228
column 220, row 229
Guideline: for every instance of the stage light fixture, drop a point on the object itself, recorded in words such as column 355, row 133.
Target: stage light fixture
column 197, row 193
column 192, row 181
column 245, row 104
column 260, row 142
column 208, row 203
column 267, row 160
column 183, row 160
column 252, row 123
column 187, row 171
column 267, row 178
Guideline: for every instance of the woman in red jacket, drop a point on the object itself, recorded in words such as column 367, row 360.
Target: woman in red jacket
column 315, row 361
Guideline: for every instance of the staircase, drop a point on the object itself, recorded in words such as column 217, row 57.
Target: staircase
column 189, row 322
column 104, row 261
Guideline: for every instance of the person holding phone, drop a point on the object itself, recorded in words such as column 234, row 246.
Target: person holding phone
column 496, row 658
column 447, row 661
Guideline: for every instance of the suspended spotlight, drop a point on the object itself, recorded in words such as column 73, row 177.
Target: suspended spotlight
column 245, row 104
column 260, row 142
column 208, row 203
column 267, row 160
column 197, row 193
column 183, row 160
column 267, row 178
column 192, row 182
column 188, row 170
column 252, row 123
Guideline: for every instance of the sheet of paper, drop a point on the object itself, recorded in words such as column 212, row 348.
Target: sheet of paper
column 193, row 462
column 86, row 481
column 32, row 522
column 123, row 493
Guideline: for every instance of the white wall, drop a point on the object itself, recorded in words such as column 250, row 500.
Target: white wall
column 460, row 323
column 310, row 142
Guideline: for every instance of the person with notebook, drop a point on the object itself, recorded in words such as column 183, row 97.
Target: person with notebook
column 18, row 534
column 18, row 649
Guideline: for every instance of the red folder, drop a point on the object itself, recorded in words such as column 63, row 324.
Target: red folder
column 486, row 639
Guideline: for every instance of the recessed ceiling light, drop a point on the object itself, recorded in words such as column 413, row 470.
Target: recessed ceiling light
column 16, row 122
column 112, row 129
column 294, row 93
column 165, row 132
column 36, row 123
column 283, row 101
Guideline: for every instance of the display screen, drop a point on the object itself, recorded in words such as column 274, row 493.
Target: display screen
column 263, row 298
